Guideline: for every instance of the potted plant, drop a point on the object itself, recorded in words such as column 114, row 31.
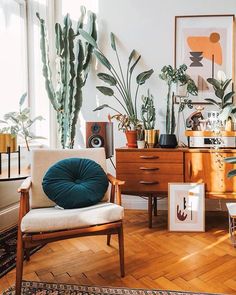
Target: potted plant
column 148, row 116
column 72, row 63
column 121, row 80
column 141, row 138
column 173, row 76
column 224, row 100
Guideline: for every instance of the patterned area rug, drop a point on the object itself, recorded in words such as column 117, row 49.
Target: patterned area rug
column 8, row 250
column 37, row 288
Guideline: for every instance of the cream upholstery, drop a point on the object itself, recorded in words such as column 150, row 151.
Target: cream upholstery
column 55, row 218
column 43, row 159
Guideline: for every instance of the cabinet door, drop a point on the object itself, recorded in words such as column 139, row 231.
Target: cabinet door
column 210, row 169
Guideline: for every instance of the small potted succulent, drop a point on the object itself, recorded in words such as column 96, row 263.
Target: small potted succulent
column 141, row 138
column 172, row 76
column 148, row 116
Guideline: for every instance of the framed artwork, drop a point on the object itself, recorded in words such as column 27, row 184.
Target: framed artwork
column 205, row 43
column 186, row 207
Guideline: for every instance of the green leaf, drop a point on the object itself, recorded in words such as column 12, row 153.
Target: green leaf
column 88, row 38
column 105, row 90
column 107, row 79
column 101, row 107
column 142, row 77
column 226, row 83
column 214, row 82
column 219, row 93
column 212, row 101
column 22, row 99
column 228, row 96
column 113, row 42
column 231, row 160
column 131, row 56
column 231, row 173
column 102, row 59
column 134, row 64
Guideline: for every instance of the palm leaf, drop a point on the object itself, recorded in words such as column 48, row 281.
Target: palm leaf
column 113, row 41
column 88, row 38
column 142, row 77
column 212, row 101
column 105, row 90
column 102, row 59
column 107, row 79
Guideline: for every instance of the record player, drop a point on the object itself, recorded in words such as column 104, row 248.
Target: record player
column 210, row 139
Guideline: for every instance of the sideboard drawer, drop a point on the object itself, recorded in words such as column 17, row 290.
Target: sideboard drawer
column 149, row 168
column 148, row 183
column 149, row 156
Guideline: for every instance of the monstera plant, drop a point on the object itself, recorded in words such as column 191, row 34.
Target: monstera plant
column 72, row 66
column 119, row 78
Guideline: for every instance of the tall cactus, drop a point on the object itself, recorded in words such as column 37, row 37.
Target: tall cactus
column 72, row 67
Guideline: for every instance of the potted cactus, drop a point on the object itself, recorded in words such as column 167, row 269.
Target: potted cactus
column 72, row 61
column 148, row 116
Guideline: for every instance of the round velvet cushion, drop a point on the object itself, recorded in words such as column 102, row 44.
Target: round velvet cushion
column 75, row 183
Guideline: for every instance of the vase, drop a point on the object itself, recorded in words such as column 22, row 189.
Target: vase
column 168, row 141
column 151, row 137
column 131, row 136
column 8, row 140
column 229, row 125
column 141, row 144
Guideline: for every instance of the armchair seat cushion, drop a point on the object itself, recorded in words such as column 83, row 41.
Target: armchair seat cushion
column 75, row 183
column 55, row 218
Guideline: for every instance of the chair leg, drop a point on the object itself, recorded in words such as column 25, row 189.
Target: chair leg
column 121, row 250
column 27, row 254
column 19, row 262
column 108, row 239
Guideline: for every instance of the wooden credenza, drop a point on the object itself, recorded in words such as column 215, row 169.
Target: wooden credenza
column 148, row 171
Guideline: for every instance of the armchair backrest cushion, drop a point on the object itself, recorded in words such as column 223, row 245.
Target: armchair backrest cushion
column 42, row 159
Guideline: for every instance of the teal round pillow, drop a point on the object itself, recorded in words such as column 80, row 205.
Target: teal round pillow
column 75, row 183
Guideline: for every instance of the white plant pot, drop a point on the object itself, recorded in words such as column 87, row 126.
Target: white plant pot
column 141, row 144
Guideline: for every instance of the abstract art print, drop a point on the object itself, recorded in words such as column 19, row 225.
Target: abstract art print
column 206, row 45
column 186, row 207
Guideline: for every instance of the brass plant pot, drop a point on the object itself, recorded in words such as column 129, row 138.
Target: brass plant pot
column 151, row 137
column 7, row 140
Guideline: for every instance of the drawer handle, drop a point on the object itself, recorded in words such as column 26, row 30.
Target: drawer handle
column 149, row 168
column 148, row 182
column 149, row 157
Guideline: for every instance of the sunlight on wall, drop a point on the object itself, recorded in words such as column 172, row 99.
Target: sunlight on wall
column 73, row 7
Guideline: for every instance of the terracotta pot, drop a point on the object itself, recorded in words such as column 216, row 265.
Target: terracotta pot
column 131, row 136
column 7, row 140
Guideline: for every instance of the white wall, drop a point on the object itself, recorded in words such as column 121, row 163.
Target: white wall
column 148, row 27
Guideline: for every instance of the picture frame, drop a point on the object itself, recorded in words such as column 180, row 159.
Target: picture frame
column 205, row 43
column 186, row 207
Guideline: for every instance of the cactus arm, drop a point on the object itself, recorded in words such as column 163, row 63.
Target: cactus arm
column 46, row 65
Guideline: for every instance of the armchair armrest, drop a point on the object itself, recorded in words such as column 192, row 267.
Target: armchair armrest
column 25, row 186
column 115, row 189
column 114, row 181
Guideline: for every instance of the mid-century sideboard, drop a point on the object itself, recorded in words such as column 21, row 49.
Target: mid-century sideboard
column 147, row 172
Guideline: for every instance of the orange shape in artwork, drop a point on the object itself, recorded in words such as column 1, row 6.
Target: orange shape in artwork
column 208, row 46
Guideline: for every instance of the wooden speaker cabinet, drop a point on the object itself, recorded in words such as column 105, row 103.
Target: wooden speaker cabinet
column 100, row 134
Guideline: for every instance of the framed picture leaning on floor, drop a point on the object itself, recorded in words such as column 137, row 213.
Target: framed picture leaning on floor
column 186, row 207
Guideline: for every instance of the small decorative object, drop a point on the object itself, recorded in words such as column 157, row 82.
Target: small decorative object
column 193, row 121
column 206, row 44
column 148, row 116
column 226, row 109
column 72, row 62
column 172, row 76
column 140, row 139
column 186, row 207
column 120, row 79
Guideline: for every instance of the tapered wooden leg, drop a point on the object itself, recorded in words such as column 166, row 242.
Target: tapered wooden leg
column 121, row 251
column 108, row 240
column 150, row 211
column 27, row 254
column 19, row 262
column 155, row 205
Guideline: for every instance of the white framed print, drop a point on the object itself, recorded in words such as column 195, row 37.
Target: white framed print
column 186, row 207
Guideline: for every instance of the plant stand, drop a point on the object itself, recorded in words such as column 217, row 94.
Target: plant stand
column 8, row 152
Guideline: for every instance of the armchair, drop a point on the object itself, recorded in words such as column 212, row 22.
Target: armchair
column 41, row 222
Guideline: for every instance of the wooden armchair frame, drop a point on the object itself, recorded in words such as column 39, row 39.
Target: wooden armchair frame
column 25, row 241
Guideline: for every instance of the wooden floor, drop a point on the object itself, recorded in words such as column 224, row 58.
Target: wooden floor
column 155, row 258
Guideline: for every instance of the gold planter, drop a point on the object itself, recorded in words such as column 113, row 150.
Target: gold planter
column 151, row 137
column 7, row 140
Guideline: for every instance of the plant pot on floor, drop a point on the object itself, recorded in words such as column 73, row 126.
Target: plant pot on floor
column 131, row 136
column 168, row 141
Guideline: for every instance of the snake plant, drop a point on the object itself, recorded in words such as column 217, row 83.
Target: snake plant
column 72, row 66
column 120, row 79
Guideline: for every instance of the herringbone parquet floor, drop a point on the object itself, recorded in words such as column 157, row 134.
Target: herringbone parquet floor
column 155, row 258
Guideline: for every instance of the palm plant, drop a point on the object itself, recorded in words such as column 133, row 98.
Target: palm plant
column 120, row 79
